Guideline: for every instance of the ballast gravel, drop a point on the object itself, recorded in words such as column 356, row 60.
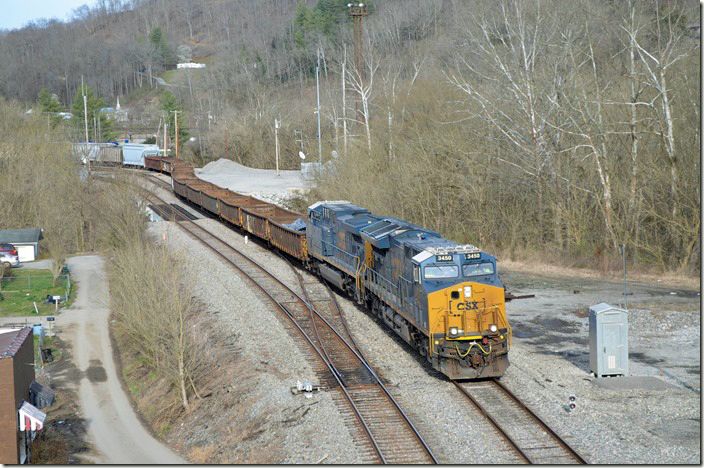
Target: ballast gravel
column 270, row 424
column 650, row 416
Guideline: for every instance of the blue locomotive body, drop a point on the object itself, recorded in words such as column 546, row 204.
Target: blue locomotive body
column 444, row 299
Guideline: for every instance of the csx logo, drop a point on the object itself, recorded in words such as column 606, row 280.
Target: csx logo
column 467, row 306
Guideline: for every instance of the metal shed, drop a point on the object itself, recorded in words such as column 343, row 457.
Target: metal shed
column 26, row 241
column 608, row 340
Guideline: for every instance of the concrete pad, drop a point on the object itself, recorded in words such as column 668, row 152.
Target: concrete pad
column 632, row 383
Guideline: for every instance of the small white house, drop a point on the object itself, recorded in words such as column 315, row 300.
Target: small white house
column 26, row 241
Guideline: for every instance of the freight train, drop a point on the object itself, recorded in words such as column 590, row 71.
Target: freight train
column 111, row 154
column 445, row 300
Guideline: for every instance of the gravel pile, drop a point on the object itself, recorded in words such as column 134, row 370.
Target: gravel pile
column 629, row 422
column 247, row 180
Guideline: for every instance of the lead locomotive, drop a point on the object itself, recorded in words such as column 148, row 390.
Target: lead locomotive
column 444, row 299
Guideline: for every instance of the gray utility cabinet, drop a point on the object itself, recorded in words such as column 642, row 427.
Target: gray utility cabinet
column 608, row 340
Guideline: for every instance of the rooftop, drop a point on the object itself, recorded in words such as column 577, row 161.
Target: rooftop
column 11, row 339
column 21, row 236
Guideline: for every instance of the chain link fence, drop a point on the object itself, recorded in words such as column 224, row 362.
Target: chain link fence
column 33, row 293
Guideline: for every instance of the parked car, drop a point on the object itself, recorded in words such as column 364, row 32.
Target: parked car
column 8, row 260
column 7, row 248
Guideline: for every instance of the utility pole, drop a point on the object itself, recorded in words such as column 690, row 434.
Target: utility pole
column 166, row 133
column 344, row 100
column 317, row 91
column 85, row 119
column 176, row 129
column 625, row 284
column 358, row 11
column 276, row 137
column 298, row 135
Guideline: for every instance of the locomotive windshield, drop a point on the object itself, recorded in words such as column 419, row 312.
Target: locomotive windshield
column 477, row 269
column 443, row 271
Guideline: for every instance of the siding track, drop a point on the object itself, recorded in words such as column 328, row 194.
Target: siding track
column 532, row 440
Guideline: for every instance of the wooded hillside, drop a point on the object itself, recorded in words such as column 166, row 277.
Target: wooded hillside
column 535, row 129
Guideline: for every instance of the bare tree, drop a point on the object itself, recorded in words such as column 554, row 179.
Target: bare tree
column 512, row 74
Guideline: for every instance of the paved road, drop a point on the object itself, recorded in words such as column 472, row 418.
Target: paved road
column 113, row 427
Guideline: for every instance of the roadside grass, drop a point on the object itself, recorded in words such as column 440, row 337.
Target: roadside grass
column 25, row 287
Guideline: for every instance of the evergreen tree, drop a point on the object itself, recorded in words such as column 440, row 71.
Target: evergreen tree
column 51, row 105
column 96, row 120
column 162, row 53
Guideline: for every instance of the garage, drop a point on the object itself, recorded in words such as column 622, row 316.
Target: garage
column 26, row 241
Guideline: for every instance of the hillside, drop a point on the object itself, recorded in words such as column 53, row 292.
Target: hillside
column 550, row 130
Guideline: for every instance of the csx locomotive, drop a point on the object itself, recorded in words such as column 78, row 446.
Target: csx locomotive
column 444, row 299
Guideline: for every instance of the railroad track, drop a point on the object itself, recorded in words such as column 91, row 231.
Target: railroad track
column 531, row 439
column 339, row 366
column 396, row 436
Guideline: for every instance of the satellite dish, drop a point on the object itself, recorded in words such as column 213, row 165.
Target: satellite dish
column 301, row 155
column 334, row 153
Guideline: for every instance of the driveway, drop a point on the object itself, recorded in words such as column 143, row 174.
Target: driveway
column 112, row 425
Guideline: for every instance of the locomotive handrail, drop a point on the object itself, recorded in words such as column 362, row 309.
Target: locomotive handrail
column 336, row 248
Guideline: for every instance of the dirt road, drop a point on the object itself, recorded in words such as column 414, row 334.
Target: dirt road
column 112, row 425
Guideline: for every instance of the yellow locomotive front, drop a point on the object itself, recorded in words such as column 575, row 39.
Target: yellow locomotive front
column 469, row 335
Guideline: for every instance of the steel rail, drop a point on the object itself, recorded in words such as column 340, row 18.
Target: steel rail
column 378, row 380
column 493, row 422
column 283, row 308
column 357, row 352
column 541, row 423
column 525, row 410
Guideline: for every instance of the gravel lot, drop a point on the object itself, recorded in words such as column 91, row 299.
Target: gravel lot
column 651, row 416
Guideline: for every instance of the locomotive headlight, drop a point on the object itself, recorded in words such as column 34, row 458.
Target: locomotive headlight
column 493, row 328
column 467, row 291
column 454, row 331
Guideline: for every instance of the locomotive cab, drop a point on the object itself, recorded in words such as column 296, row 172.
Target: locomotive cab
column 468, row 331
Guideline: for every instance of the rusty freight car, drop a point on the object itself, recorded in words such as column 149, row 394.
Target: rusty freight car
column 269, row 222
